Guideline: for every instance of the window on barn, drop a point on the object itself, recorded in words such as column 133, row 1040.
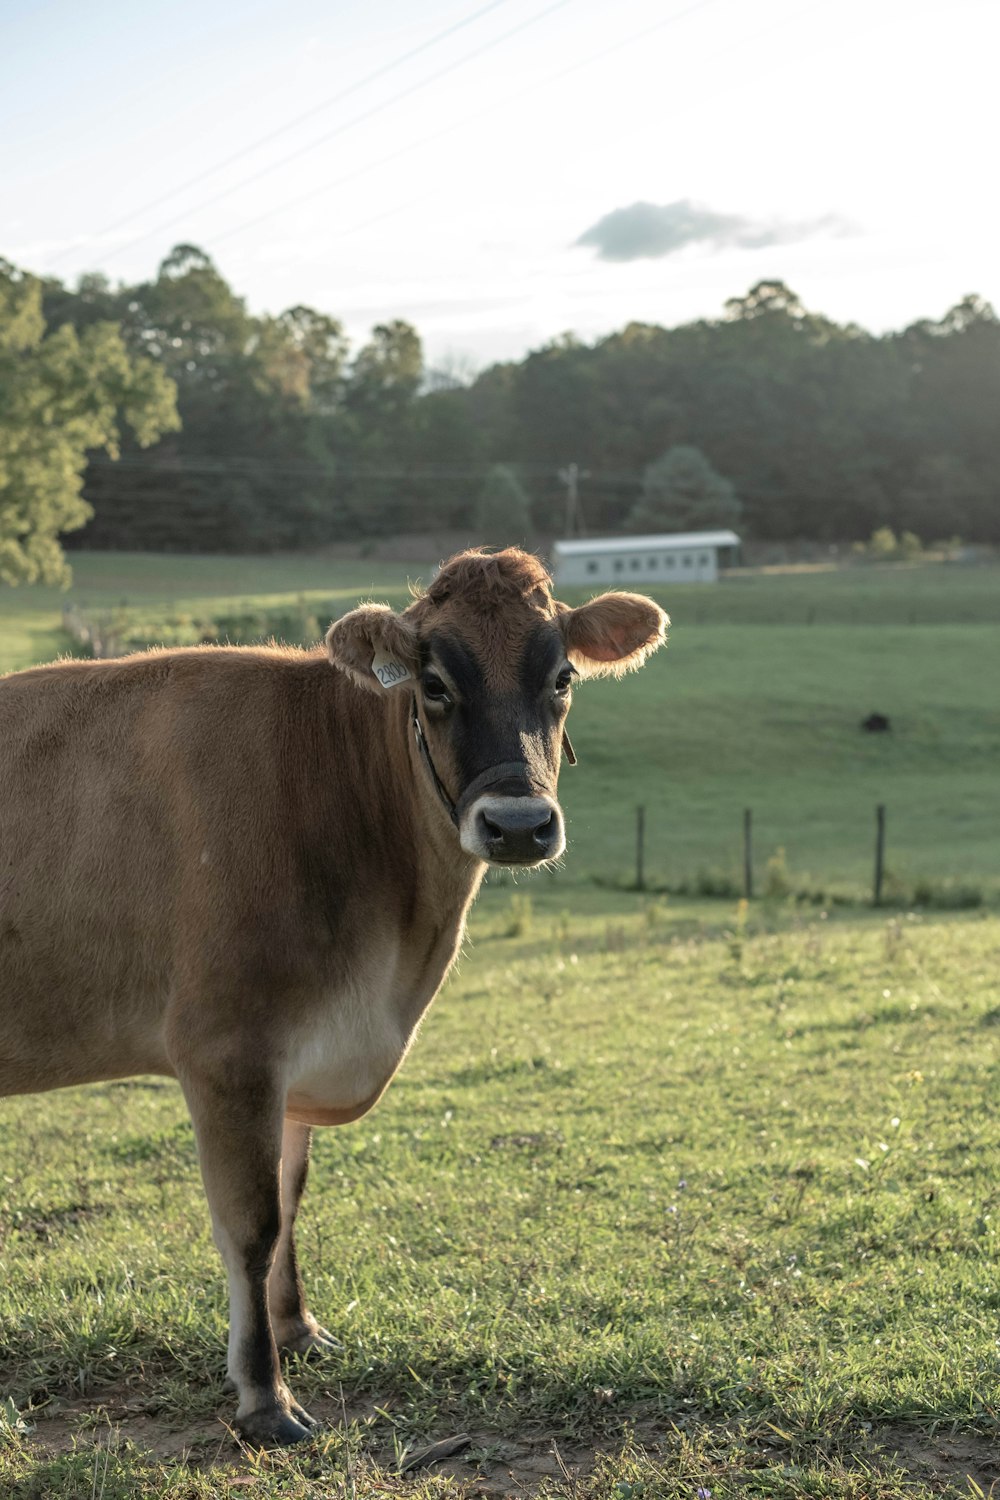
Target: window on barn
column 703, row 559
column 651, row 562
column 592, row 565
column 619, row 565
column 670, row 560
column 688, row 560
column 635, row 563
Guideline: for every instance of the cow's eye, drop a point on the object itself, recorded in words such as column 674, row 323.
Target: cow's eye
column 564, row 681
column 435, row 690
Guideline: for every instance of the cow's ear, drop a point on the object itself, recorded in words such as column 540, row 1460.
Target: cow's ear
column 613, row 634
column 374, row 646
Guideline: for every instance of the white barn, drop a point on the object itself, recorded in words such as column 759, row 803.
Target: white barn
column 683, row 557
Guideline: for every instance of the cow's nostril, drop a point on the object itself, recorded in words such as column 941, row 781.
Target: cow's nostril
column 515, row 830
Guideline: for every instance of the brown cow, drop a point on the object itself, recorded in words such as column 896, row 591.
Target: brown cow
column 250, row 872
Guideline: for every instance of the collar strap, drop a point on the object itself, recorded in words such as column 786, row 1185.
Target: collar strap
column 425, row 755
column 478, row 783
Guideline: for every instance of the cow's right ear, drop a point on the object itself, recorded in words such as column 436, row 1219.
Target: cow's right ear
column 374, row 646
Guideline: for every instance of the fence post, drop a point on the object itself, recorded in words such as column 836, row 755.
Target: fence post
column 640, row 848
column 879, row 852
column 748, row 854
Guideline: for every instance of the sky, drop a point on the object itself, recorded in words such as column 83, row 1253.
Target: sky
column 499, row 172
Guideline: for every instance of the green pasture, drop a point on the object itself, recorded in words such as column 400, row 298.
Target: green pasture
column 673, row 1195
column 669, row 1198
column 757, row 703
column 152, row 587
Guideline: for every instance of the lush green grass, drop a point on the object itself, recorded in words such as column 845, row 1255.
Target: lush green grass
column 751, row 706
column 769, row 718
column 865, row 594
column 758, row 702
column 725, row 1183
column 152, row 586
column 506, row 1245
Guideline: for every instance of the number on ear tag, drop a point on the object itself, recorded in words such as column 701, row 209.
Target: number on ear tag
column 388, row 670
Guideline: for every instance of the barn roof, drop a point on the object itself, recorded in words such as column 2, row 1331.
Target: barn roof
column 667, row 542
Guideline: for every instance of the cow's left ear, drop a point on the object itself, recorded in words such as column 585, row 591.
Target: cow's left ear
column 613, row 634
column 374, row 646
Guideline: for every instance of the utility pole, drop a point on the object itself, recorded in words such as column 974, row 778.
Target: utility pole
column 570, row 476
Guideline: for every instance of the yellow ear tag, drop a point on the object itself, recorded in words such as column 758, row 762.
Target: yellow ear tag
column 389, row 671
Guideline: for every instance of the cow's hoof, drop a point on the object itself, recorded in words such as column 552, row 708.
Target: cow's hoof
column 301, row 1415
column 312, row 1344
column 305, row 1337
column 273, row 1427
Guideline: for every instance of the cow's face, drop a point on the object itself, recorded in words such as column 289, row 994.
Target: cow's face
column 487, row 660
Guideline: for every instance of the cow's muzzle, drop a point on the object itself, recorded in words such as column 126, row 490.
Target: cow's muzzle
column 523, row 830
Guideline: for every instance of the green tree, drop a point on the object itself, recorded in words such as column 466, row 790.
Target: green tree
column 302, row 355
column 946, row 496
column 62, row 394
column 503, row 510
column 682, row 492
column 387, row 372
column 379, row 427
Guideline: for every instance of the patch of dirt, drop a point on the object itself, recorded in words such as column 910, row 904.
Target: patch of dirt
column 130, row 1414
column 955, row 1458
column 489, row 1465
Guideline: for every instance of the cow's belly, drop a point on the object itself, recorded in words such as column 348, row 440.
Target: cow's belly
column 343, row 1059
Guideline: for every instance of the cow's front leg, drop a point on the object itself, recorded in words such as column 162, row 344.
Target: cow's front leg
column 295, row 1329
column 238, row 1124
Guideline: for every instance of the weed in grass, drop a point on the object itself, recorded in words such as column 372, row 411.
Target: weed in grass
column 894, row 939
column 712, row 883
column 561, row 927
column 737, row 938
column 777, row 881
column 656, row 917
column 948, row 895
column 520, row 923
column 13, row 1426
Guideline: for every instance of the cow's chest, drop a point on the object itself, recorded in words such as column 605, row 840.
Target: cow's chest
column 344, row 1054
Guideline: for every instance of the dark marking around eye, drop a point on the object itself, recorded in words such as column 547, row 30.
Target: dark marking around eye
column 543, row 652
column 459, row 663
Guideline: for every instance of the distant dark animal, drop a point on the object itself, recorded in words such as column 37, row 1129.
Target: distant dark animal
column 876, row 724
column 249, row 868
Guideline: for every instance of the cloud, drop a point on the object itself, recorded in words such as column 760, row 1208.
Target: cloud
column 650, row 231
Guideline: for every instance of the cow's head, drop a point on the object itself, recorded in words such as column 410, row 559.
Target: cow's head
column 486, row 660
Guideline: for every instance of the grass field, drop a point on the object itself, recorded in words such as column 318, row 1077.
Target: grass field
column 673, row 1196
column 756, row 703
column 665, row 1201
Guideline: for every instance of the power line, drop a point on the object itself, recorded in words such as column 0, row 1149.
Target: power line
column 340, row 129
column 280, row 130
column 462, row 123
column 239, row 465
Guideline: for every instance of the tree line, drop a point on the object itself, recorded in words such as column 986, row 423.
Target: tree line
column 230, row 431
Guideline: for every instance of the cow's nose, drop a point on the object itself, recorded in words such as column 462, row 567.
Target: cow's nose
column 516, row 830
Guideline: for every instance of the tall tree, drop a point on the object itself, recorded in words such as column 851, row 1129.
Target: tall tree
column 503, row 510
column 682, row 492
column 62, row 394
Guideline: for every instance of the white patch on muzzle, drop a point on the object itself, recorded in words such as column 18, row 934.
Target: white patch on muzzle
column 513, row 830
